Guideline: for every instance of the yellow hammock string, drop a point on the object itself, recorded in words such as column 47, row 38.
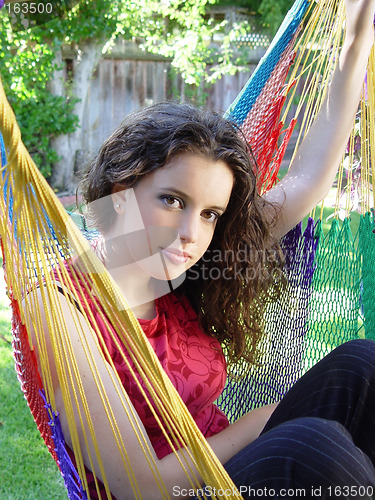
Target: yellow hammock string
column 28, row 259
column 317, row 55
column 368, row 133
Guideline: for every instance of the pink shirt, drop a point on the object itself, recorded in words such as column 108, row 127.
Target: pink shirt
column 193, row 361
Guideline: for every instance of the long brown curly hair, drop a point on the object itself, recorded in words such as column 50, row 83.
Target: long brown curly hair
column 241, row 270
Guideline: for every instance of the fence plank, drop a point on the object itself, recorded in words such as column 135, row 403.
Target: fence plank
column 120, row 86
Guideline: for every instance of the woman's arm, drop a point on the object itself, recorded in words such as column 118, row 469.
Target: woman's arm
column 314, row 168
column 110, row 455
column 225, row 444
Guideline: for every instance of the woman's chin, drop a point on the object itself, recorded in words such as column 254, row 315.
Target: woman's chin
column 165, row 273
column 169, row 274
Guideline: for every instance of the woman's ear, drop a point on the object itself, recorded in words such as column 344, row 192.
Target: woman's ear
column 119, row 198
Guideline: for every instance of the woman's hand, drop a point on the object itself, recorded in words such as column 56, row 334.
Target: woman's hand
column 314, row 168
column 241, row 433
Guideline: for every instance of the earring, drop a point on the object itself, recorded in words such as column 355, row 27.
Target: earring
column 117, row 205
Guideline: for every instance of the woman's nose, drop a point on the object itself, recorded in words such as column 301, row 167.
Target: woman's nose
column 189, row 227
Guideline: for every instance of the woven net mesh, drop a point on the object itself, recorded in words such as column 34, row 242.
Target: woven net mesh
column 329, row 302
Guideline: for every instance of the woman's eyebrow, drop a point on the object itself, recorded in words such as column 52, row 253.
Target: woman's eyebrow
column 187, row 197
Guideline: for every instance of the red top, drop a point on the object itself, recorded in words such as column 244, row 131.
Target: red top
column 193, row 361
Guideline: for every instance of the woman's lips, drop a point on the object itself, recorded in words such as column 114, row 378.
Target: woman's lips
column 175, row 256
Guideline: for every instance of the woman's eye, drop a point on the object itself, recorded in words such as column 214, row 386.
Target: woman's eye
column 172, row 201
column 210, row 216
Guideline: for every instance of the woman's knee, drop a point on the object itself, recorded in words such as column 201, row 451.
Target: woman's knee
column 305, row 453
column 362, row 347
column 310, row 439
column 355, row 357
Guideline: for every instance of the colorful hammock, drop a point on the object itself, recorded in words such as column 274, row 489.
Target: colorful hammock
column 331, row 276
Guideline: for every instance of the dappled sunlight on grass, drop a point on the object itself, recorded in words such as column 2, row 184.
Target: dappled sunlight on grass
column 28, row 471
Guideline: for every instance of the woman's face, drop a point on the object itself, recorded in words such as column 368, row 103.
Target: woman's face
column 178, row 206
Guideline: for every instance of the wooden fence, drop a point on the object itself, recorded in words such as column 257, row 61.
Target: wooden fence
column 121, row 85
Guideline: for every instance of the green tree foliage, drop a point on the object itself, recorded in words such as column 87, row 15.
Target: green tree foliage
column 178, row 29
column 272, row 13
column 174, row 28
column 27, row 63
column 269, row 13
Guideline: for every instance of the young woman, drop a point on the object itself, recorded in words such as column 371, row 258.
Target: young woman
column 184, row 180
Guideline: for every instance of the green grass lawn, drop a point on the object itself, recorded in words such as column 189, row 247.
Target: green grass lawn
column 28, row 471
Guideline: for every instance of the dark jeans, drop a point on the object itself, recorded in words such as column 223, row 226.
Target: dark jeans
column 320, row 441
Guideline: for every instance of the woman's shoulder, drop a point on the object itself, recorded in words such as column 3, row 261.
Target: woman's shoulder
column 71, row 280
